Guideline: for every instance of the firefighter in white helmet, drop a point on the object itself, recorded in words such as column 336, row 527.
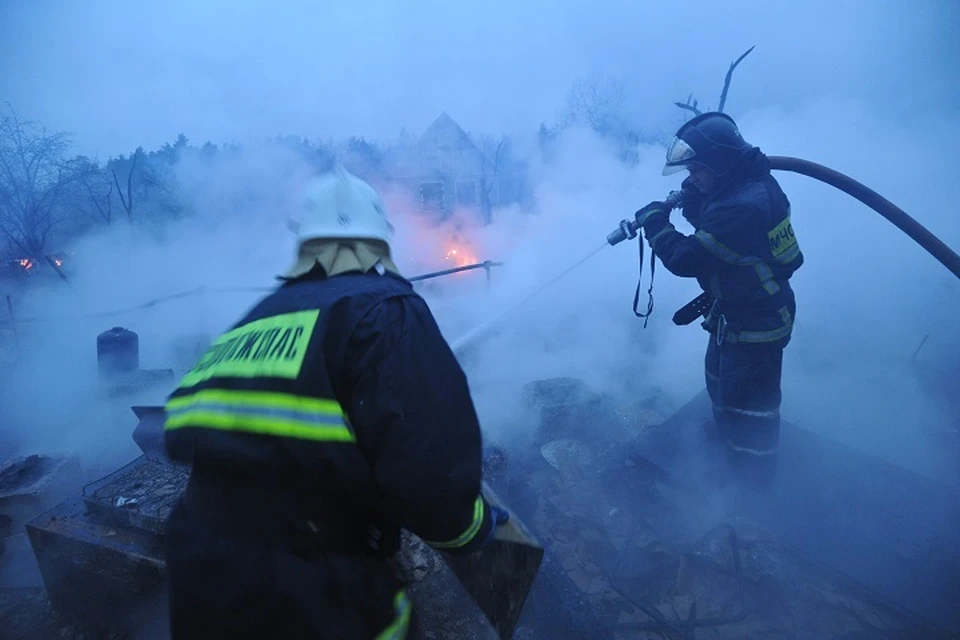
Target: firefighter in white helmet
column 332, row 415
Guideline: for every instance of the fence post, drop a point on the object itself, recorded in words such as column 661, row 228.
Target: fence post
column 13, row 326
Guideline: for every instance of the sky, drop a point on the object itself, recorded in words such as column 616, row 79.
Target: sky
column 120, row 74
column 868, row 88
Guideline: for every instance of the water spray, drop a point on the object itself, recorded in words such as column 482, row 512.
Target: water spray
column 477, row 332
column 626, row 230
column 630, row 229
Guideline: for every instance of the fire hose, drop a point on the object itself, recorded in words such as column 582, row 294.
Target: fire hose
column 627, row 230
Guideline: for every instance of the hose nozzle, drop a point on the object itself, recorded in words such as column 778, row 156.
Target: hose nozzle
column 627, row 229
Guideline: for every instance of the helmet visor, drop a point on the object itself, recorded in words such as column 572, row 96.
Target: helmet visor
column 678, row 156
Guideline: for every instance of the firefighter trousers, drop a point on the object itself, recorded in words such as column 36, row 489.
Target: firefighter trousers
column 743, row 381
column 225, row 587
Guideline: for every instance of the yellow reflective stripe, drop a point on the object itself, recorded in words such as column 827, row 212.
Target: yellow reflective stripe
column 768, row 336
column 666, row 229
column 401, row 623
column 717, row 248
column 762, row 269
column 262, row 412
column 765, row 274
column 467, row 535
column 789, row 255
column 270, row 347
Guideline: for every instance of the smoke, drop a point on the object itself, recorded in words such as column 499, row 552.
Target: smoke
column 867, row 296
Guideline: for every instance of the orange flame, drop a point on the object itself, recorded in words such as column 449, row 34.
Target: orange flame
column 460, row 256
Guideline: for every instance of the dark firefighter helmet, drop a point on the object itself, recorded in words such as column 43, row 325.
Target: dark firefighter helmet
column 711, row 139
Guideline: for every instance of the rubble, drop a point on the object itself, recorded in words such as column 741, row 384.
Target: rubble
column 631, row 551
column 631, row 554
column 110, row 538
column 6, row 525
column 30, row 484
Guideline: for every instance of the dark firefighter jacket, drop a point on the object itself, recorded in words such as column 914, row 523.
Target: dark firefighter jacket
column 743, row 253
column 333, row 409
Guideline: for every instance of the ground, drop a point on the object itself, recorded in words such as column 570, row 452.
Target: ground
column 26, row 614
column 628, row 554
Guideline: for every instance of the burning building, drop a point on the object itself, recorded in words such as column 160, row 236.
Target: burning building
column 447, row 170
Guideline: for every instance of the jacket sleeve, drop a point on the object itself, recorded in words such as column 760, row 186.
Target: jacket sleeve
column 714, row 246
column 411, row 407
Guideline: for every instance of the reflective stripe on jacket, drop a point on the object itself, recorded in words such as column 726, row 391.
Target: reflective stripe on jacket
column 342, row 391
column 743, row 251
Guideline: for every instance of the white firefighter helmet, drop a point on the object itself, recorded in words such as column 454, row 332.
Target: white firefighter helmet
column 339, row 205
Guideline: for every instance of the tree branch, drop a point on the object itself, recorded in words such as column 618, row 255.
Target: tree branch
column 128, row 201
column 689, row 107
column 726, row 81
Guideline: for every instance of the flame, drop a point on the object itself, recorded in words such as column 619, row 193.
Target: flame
column 58, row 262
column 26, row 263
column 460, row 256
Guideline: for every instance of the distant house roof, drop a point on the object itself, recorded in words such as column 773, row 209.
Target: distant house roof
column 444, row 138
column 444, row 132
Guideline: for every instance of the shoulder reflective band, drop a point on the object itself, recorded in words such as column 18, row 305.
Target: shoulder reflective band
column 401, row 623
column 273, row 347
column 717, row 248
column 262, row 412
column 721, row 251
column 467, row 535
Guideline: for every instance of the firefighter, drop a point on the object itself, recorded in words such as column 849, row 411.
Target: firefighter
column 743, row 253
column 329, row 417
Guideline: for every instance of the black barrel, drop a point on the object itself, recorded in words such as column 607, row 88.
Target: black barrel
column 118, row 352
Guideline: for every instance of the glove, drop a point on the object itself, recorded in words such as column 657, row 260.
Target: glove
column 692, row 202
column 653, row 217
column 499, row 516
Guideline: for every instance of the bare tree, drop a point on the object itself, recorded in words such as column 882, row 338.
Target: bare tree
column 99, row 188
column 691, row 104
column 490, row 170
column 35, row 180
column 595, row 100
column 127, row 201
column 144, row 182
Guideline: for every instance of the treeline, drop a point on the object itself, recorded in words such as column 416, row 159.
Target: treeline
column 49, row 196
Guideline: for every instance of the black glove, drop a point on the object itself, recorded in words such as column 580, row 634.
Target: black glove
column 653, row 217
column 692, row 202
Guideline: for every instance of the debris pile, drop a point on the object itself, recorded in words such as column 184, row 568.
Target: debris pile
column 629, row 552
column 628, row 555
column 30, row 484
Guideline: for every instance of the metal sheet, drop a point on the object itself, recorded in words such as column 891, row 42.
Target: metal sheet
column 139, row 495
column 891, row 530
column 148, row 433
column 500, row 576
column 114, row 567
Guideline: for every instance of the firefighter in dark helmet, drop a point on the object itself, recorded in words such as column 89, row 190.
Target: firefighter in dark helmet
column 329, row 417
column 743, row 253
